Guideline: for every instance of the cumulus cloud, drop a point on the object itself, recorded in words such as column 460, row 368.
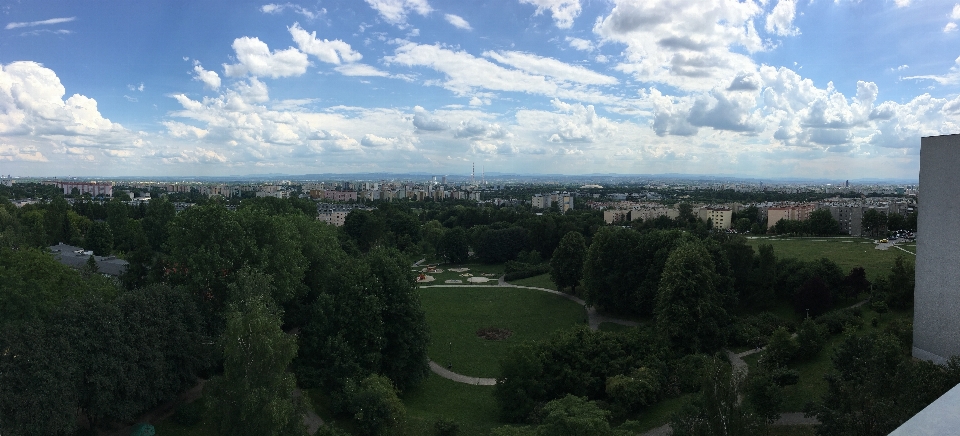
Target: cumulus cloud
column 255, row 58
column 955, row 13
column 16, row 25
column 580, row 44
column 422, row 120
column 395, row 11
column 686, row 44
column 210, row 79
column 331, row 52
column 475, row 128
column 457, row 22
column 780, row 19
column 563, row 11
column 950, row 27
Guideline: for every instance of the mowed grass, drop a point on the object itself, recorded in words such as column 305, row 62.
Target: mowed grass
column 848, row 253
column 455, row 314
column 472, row 407
column 540, row 281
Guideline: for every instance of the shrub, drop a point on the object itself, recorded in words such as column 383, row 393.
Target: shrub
column 840, row 320
column 811, row 338
column 781, row 349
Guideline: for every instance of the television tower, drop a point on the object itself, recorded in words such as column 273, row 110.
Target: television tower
column 473, row 173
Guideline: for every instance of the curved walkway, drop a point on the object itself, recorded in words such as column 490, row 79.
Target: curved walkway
column 594, row 320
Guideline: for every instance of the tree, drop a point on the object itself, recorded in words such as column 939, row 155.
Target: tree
column 454, row 245
column 813, row 298
column 574, row 416
column 781, row 349
column 160, row 212
column 902, row 281
column 689, row 309
column 365, row 227
column 874, row 222
column 856, row 283
column 501, row 245
column 742, row 225
column 566, row 265
column 375, row 407
column 99, row 238
column 719, row 409
column 254, row 396
column 821, row 222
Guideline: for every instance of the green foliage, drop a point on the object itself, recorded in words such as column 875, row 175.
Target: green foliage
column 498, row 246
column 33, row 284
column 718, row 409
column 576, row 362
column 764, row 394
column 574, row 416
column 754, row 330
column 839, row 321
column 811, row 337
column 189, row 414
column 821, row 223
column 364, row 228
column 901, row 284
column 689, row 309
column 254, row 396
column 454, row 246
column 780, row 350
column 566, row 265
column 99, row 238
column 634, row 391
column 874, row 387
column 376, row 410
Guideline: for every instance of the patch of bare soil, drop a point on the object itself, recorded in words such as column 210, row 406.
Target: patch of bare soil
column 494, row 333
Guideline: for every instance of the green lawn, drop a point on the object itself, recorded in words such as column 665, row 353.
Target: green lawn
column 472, row 407
column 540, row 281
column 476, row 269
column 455, row 314
column 847, row 252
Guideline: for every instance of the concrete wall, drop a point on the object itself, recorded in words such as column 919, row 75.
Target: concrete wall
column 936, row 324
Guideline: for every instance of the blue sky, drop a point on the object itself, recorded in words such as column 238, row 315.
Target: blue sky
column 761, row 88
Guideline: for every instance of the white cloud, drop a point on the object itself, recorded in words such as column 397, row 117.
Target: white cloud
column 950, row 27
column 210, row 79
column 902, row 3
column 395, row 11
column 955, row 13
column 580, row 44
column 550, row 67
column 331, row 52
column 687, row 44
column 255, row 58
column 563, row 11
column 457, row 22
column 423, row 120
column 276, row 8
column 361, row 70
column 949, row 78
column 139, row 87
column 21, row 154
column 780, row 19
column 16, row 25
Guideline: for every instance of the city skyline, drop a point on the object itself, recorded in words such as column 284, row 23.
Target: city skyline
column 755, row 89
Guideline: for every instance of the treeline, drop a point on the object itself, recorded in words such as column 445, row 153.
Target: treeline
column 200, row 282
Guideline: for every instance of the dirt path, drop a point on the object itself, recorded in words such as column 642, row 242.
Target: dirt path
column 450, row 375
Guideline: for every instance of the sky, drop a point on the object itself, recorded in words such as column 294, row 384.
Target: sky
column 839, row 89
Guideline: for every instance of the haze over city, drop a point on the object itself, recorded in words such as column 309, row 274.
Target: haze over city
column 768, row 88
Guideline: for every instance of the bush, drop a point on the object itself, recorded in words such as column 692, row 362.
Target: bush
column 686, row 373
column 781, row 349
column 630, row 393
column 375, row 406
column 840, row 320
column 190, row 414
column 755, row 330
column 811, row 338
column 446, row 427
column 785, row 377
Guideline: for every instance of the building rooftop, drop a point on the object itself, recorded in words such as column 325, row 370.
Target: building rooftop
column 76, row 257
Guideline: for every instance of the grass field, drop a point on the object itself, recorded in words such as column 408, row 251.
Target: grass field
column 472, row 407
column 846, row 252
column 540, row 281
column 455, row 314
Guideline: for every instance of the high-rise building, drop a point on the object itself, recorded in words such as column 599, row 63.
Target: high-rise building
column 936, row 326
